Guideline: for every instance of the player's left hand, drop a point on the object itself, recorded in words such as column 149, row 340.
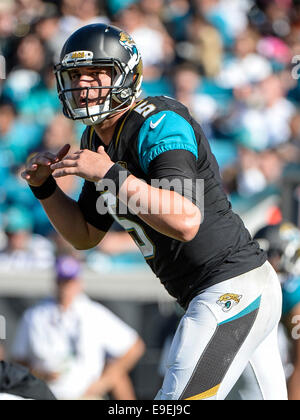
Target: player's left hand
column 89, row 165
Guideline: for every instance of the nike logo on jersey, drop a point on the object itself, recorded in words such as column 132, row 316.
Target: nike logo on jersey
column 154, row 125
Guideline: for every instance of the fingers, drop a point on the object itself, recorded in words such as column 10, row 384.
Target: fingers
column 33, row 167
column 68, row 162
column 29, row 172
column 65, row 172
column 63, row 151
column 100, row 149
column 25, row 175
column 44, row 159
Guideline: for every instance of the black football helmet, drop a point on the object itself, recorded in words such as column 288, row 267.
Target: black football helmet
column 100, row 45
column 282, row 241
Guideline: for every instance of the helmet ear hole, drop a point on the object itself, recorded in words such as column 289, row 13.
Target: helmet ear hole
column 122, row 95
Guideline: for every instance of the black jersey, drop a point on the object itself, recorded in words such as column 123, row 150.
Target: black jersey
column 158, row 139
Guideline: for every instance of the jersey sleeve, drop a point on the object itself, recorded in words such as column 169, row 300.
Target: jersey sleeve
column 168, row 154
column 89, row 199
column 165, row 131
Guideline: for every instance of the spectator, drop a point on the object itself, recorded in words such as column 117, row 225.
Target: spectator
column 42, row 104
column 228, row 16
column 28, row 10
column 177, row 14
column 245, row 66
column 24, row 250
column 277, row 16
column 65, row 341
column 7, row 23
column 266, row 118
column 155, row 60
column 32, row 59
column 91, row 11
column 13, row 192
column 17, row 137
column 250, row 179
column 203, row 46
column 187, row 89
column 77, row 13
column 8, row 116
column 46, row 28
column 153, row 11
column 116, row 6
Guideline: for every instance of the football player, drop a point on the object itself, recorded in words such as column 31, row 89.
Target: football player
column 143, row 162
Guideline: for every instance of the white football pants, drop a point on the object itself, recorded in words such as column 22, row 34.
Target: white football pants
column 226, row 343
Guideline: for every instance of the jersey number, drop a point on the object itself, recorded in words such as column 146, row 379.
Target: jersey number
column 136, row 231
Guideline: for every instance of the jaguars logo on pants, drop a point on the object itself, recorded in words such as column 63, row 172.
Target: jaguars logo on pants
column 228, row 300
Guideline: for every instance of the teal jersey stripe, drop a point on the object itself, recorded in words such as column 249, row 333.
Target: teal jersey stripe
column 252, row 307
column 162, row 132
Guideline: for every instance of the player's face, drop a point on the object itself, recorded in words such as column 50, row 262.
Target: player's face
column 86, row 77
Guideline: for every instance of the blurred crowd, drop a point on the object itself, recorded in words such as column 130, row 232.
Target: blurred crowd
column 233, row 63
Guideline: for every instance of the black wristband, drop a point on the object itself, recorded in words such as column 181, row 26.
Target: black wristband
column 114, row 179
column 45, row 190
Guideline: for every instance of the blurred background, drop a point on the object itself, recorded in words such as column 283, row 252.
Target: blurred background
column 234, row 63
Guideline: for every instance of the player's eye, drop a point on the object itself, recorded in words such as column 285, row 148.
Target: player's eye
column 74, row 76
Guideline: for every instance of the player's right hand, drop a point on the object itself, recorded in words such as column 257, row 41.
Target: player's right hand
column 37, row 168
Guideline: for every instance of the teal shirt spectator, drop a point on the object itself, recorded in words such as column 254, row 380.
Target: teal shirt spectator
column 17, row 192
column 290, row 294
column 20, row 140
column 40, row 106
column 19, row 85
column 18, row 218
